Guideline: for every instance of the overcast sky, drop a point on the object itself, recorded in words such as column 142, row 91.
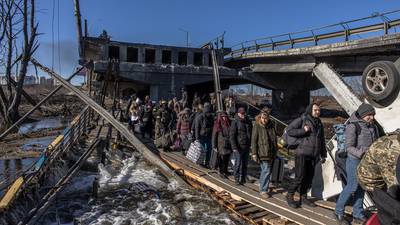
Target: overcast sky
column 160, row 21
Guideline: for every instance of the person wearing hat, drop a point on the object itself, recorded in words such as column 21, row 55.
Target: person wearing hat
column 361, row 131
column 240, row 138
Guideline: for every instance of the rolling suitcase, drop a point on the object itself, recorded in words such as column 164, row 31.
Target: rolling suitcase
column 277, row 170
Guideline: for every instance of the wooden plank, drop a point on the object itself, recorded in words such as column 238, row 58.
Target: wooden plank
column 190, row 173
column 252, row 209
column 275, row 207
column 267, row 219
column 317, row 210
column 236, row 203
column 331, row 205
column 259, row 214
column 243, row 207
column 11, row 193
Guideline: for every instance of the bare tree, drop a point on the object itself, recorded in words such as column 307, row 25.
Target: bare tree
column 17, row 24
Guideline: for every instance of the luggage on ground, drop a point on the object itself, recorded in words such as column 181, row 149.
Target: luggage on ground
column 277, row 170
column 196, row 153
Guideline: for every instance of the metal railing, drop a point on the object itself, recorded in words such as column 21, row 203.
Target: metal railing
column 53, row 151
column 311, row 36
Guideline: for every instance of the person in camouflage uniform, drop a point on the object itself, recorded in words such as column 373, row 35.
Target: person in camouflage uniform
column 377, row 168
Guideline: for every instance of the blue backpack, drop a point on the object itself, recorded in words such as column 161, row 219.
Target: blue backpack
column 340, row 137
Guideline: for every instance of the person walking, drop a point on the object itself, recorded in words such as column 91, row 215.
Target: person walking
column 360, row 133
column 264, row 148
column 148, row 121
column 308, row 127
column 183, row 128
column 221, row 142
column 203, row 126
column 240, row 138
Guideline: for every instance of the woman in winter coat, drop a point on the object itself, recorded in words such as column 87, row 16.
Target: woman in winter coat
column 183, row 128
column 184, row 124
column 221, row 142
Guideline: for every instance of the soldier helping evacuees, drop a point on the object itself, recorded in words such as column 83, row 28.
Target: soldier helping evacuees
column 379, row 173
column 221, row 142
column 264, row 148
column 240, row 137
column 360, row 133
column 308, row 127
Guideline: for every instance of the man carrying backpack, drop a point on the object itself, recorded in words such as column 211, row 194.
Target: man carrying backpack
column 311, row 149
column 360, row 133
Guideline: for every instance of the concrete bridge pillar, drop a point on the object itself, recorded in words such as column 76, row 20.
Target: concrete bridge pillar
column 287, row 104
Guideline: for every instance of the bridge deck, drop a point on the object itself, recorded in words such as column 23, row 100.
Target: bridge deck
column 249, row 193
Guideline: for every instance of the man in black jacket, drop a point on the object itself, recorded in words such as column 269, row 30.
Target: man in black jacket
column 240, row 137
column 203, row 126
column 312, row 149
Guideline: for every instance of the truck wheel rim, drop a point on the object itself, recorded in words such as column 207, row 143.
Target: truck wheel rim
column 376, row 80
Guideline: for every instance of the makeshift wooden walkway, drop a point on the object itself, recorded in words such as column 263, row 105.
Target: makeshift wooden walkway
column 245, row 200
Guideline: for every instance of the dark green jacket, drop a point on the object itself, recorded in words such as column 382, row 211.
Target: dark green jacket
column 264, row 141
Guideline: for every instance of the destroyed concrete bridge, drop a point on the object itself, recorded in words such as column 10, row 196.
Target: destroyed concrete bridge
column 283, row 63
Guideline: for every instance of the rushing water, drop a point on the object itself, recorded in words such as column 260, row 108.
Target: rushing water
column 118, row 203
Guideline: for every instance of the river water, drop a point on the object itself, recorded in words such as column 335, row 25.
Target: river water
column 12, row 168
column 46, row 123
column 121, row 204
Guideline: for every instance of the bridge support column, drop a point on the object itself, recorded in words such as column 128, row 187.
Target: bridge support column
column 288, row 104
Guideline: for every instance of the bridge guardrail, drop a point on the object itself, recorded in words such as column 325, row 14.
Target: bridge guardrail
column 56, row 148
column 268, row 42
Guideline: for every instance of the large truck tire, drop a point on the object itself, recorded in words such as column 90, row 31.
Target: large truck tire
column 380, row 80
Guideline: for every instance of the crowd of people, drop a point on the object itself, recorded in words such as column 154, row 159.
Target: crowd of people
column 230, row 133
